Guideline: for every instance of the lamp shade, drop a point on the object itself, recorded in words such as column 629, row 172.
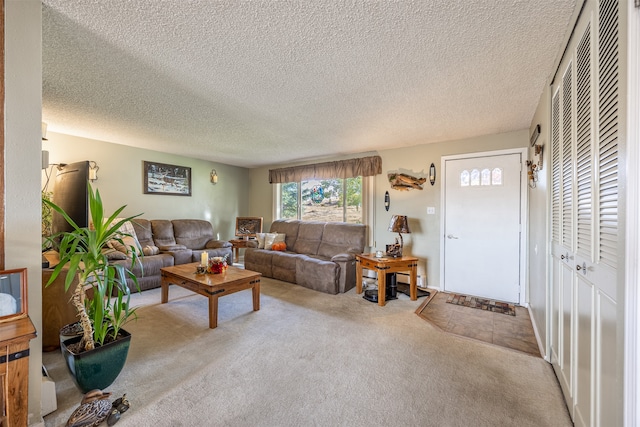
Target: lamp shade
column 399, row 224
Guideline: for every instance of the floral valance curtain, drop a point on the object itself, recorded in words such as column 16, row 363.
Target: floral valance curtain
column 365, row 166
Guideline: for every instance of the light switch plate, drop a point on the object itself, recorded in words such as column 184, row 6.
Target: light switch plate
column 431, row 210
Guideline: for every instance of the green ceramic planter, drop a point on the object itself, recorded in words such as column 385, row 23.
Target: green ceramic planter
column 97, row 368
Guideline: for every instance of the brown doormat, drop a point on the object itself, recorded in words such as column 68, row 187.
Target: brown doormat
column 482, row 304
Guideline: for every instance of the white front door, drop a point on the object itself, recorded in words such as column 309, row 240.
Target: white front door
column 482, row 231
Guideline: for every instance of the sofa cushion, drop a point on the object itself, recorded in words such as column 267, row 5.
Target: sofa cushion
column 259, row 260
column 309, row 237
column 162, row 230
column 148, row 266
column 181, row 256
column 260, row 238
column 169, row 248
column 283, row 265
column 143, row 231
column 193, row 233
column 342, row 238
column 289, row 227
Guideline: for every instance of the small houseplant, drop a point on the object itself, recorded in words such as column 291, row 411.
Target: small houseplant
column 83, row 253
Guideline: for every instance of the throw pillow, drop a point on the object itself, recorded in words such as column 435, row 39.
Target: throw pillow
column 126, row 244
column 272, row 238
column 126, row 239
column 260, row 237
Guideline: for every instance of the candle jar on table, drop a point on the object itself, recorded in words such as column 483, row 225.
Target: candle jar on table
column 217, row 264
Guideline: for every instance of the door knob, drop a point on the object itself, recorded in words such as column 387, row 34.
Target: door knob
column 451, row 236
column 582, row 267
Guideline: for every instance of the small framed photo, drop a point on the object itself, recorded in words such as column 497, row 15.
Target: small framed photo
column 161, row 178
column 13, row 294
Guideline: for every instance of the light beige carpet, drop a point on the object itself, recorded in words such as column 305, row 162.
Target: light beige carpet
column 308, row 358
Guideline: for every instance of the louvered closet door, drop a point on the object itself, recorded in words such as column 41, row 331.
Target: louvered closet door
column 585, row 112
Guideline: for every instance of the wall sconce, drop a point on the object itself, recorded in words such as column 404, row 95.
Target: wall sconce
column 387, row 201
column 93, row 171
column 432, row 174
column 43, row 130
column 532, row 173
column 214, row 176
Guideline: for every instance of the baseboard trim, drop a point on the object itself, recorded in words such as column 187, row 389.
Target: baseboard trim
column 541, row 348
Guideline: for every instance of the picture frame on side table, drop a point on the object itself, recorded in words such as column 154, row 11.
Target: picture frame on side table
column 248, row 226
column 13, row 294
column 161, row 178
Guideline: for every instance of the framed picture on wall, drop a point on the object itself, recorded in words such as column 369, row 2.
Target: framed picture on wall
column 161, row 178
column 13, row 294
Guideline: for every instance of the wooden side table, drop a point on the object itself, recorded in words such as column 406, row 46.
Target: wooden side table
column 14, row 370
column 242, row 244
column 385, row 265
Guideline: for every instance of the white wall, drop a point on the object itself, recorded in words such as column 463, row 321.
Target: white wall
column 538, row 223
column 424, row 240
column 120, row 181
column 23, row 85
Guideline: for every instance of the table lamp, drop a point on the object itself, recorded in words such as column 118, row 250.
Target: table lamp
column 399, row 224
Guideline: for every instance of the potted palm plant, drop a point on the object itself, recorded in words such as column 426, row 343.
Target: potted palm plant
column 96, row 357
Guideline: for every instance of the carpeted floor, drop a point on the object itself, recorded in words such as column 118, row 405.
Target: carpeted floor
column 308, row 358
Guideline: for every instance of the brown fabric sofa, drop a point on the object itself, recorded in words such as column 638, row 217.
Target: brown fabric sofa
column 319, row 255
column 171, row 242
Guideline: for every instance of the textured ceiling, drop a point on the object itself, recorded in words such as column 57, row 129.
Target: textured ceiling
column 253, row 83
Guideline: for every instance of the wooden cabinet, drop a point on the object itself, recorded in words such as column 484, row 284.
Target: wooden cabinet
column 14, row 371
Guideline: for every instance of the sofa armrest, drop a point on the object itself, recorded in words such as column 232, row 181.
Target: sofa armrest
column 217, row 244
column 167, row 248
column 344, row 256
column 113, row 254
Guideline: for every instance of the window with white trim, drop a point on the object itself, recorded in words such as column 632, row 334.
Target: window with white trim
column 323, row 200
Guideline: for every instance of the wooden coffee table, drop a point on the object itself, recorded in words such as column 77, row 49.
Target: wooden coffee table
column 212, row 286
